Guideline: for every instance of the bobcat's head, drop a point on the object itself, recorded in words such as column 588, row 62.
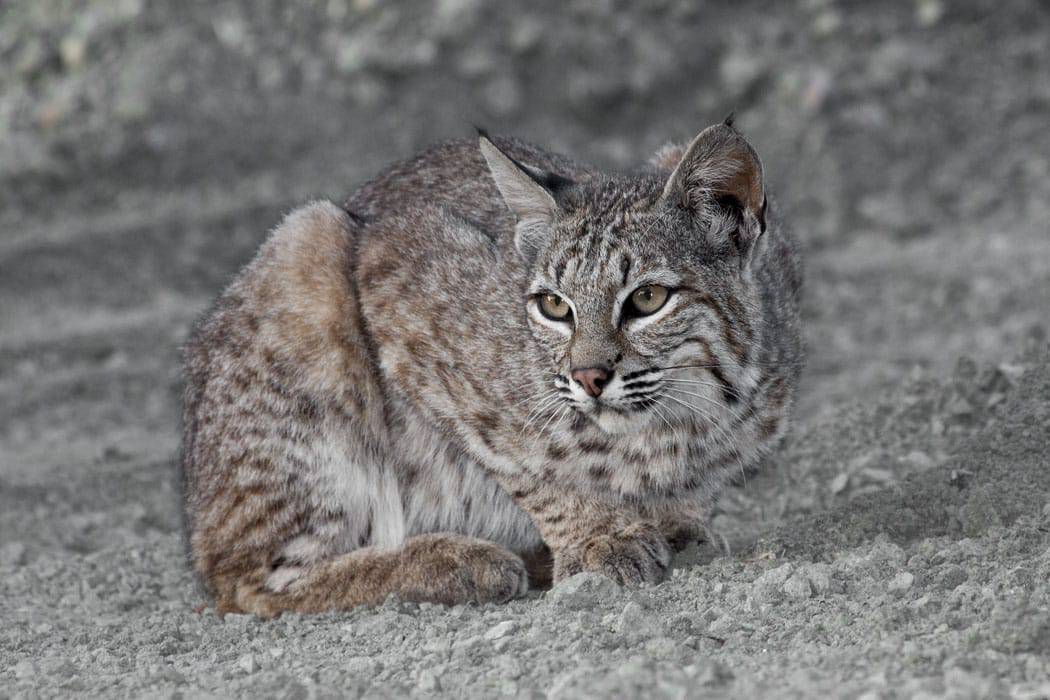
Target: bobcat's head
column 641, row 286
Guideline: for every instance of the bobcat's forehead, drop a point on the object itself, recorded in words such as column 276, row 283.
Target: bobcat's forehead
column 612, row 233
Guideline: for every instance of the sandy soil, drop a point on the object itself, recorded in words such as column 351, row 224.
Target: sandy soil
column 899, row 544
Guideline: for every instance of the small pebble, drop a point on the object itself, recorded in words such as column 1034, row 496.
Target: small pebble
column 248, row 664
column 901, row 582
column 25, row 670
column 501, row 630
column 428, row 682
column 584, row 590
column 797, row 587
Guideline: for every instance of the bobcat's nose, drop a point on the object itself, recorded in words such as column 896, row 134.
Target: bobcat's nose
column 592, row 379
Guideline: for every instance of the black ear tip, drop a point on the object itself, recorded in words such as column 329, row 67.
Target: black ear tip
column 730, row 118
column 482, row 132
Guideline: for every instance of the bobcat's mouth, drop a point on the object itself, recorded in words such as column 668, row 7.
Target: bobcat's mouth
column 616, row 418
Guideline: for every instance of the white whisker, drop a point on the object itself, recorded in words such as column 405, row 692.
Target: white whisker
column 728, row 410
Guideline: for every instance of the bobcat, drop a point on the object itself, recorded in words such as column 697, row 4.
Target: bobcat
column 491, row 355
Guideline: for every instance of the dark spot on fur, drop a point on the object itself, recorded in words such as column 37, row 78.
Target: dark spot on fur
column 378, row 271
column 592, row 447
column 635, row 457
column 366, row 535
column 308, row 408
column 767, row 428
column 488, row 421
column 599, row 471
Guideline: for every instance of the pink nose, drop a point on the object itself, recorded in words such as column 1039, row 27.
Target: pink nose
column 592, row 379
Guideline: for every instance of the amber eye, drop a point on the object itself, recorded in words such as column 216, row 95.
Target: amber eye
column 648, row 299
column 554, row 307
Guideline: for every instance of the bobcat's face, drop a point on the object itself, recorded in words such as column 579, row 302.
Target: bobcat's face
column 640, row 291
column 639, row 325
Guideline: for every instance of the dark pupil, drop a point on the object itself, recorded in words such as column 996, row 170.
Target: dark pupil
column 555, row 304
column 646, row 295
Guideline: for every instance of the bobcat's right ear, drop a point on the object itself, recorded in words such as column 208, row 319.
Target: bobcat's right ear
column 721, row 168
column 527, row 191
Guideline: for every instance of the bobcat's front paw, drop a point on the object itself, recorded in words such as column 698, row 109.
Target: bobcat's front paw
column 453, row 569
column 631, row 556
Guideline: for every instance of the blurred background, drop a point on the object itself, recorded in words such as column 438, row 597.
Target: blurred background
column 147, row 147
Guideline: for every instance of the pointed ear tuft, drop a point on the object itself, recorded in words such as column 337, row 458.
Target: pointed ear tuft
column 721, row 169
column 531, row 202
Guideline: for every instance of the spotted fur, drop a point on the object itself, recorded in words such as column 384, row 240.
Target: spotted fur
column 374, row 405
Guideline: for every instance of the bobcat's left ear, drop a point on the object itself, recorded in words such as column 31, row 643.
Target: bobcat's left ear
column 720, row 168
column 528, row 193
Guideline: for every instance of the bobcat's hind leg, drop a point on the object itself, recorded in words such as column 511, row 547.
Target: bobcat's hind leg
column 439, row 568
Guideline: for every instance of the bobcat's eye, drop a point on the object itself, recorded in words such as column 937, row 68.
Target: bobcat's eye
column 554, row 307
column 648, row 299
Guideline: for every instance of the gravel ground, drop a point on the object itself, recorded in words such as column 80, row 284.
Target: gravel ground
column 899, row 544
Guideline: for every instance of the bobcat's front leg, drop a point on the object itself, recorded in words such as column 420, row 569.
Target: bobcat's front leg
column 586, row 533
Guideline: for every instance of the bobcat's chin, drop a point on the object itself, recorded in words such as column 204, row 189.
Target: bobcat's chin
column 615, row 422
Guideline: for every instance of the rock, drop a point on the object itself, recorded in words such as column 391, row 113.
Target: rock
column 25, row 670
column 918, row 460
column 881, row 476
column 978, row 513
column 248, row 664
column 952, row 577
column 960, row 408
column 635, row 620
column 901, row 582
column 72, row 50
column 584, row 590
column 428, row 682
column 797, row 587
column 819, row 576
column 769, row 586
column 501, row 630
